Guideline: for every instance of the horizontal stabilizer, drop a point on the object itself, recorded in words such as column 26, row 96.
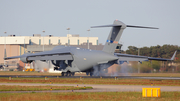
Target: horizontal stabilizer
column 113, row 25
column 141, row 27
column 115, row 34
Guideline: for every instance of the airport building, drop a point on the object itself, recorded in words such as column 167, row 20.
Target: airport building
column 18, row 45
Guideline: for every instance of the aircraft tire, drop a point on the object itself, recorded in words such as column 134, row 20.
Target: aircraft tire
column 87, row 73
column 69, row 73
column 66, row 74
column 62, row 74
column 91, row 73
column 73, row 73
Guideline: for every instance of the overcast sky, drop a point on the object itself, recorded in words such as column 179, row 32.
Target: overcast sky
column 28, row 17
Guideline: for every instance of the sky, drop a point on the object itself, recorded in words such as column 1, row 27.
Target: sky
column 28, row 17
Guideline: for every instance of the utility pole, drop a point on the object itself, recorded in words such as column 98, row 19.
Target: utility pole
column 24, row 45
column 24, row 50
column 68, row 36
column 4, row 49
column 43, row 39
column 138, row 62
column 88, row 37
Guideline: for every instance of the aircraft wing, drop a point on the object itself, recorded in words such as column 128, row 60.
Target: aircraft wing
column 46, row 55
column 127, row 57
column 14, row 57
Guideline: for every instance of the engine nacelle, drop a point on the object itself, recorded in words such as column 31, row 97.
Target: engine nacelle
column 24, row 59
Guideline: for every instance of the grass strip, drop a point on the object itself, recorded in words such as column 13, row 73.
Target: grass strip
column 109, row 81
column 40, row 88
column 89, row 96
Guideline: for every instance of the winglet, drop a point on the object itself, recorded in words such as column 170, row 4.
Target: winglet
column 173, row 57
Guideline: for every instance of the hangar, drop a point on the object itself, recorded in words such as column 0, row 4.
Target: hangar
column 18, row 45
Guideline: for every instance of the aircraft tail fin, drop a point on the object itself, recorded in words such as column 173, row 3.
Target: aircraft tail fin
column 115, row 34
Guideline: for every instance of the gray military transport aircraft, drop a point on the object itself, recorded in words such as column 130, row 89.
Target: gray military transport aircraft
column 73, row 59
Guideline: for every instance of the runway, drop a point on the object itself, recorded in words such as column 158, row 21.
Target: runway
column 96, row 88
column 120, row 77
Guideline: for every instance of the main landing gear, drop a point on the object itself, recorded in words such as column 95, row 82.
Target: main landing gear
column 67, row 73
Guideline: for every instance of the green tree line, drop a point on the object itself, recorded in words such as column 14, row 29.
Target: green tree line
column 165, row 51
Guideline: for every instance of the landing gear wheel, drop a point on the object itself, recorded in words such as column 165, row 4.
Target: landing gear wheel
column 62, row 74
column 66, row 74
column 73, row 73
column 91, row 73
column 70, row 73
column 87, row 73
column 55, row 68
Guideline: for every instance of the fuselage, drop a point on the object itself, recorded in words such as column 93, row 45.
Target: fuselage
column 85, row 59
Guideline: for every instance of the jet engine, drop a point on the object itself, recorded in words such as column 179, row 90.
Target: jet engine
column 25, row 59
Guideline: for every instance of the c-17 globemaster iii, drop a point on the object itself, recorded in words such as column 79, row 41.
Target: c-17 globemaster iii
column 73, row 59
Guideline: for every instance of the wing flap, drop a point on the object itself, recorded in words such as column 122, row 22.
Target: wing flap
column 52, row 57
column 127, row 57
column 52, row 52
column 158, row 59
column 132, row 59
column 46, row 55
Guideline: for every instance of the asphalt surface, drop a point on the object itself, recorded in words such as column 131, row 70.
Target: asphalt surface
column 120, row 77
column 96, row 88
